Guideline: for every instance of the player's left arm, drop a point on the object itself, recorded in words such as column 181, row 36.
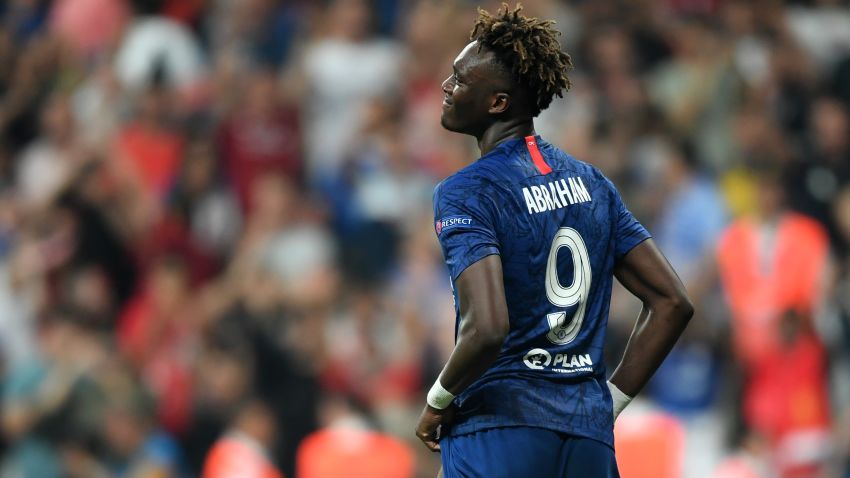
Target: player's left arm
column 645, row 272
column 484, row 325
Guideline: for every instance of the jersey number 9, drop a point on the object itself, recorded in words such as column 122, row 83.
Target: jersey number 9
column 561, row 330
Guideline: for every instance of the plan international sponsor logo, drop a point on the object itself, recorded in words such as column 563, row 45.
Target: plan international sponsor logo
column 540, row 359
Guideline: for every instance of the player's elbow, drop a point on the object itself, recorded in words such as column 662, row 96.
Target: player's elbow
column 491, row 337
column 496, row 337
column 680, row 306
column 674, row 305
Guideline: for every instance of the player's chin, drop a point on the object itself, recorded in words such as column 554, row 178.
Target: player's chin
column 446, row 121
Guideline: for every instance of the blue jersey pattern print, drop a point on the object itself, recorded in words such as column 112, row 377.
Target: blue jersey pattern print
column 558, row 236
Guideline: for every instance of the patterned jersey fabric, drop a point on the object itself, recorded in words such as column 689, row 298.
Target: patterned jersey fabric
column 558, row 226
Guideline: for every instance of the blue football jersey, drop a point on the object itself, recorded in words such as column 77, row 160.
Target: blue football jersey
column 559, row 226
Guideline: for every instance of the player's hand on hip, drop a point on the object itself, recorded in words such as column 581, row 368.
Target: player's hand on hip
column 430, row 424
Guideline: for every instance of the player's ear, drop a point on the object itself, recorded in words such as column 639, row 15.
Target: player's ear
column 499, row 103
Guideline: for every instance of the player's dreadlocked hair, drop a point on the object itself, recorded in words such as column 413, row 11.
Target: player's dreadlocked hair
column 529, row 48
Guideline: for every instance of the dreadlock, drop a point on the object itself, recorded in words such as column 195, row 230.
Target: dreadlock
column 529, row 48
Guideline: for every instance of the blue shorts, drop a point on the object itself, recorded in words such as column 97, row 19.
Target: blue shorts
column 517, row 452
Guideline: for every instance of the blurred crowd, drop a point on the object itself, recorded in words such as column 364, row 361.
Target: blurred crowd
column 217, row 254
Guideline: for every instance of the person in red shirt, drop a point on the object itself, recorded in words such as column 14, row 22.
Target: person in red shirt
column 155, row 333
column 148, row 148
column 260, row 137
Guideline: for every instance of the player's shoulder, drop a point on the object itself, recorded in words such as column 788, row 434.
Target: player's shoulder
column 476, row 178
column 452, row 184
column 569, row 164
column 567, row 161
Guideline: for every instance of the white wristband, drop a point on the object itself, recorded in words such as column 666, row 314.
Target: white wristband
column 620, row 399
column 439, row 397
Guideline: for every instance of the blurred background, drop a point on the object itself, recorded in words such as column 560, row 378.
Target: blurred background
column 217, row 254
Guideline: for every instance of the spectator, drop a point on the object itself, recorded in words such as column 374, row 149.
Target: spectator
column 281, row 239
column 156, row 332
column 345, row 447
column 48, row 162
column 696, row 90
column 158, row 45
column 136, row 446
column 751, row 460
column 91, row 26
column 148, row 146
column 262, row 136
column 19, row 289
column 223, row 379
column 772, row 292
column 203, row 203
column 816, row 180
column 54, row 399
column 343, row 68
column 244, row 450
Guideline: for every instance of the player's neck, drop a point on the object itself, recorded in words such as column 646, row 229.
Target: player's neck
column 503, row 131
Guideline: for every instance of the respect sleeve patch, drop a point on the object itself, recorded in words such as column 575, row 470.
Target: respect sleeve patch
column 451, row 222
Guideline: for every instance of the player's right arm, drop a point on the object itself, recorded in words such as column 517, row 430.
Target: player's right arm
column 483, row 327
column 465, row 225
column 645, row 272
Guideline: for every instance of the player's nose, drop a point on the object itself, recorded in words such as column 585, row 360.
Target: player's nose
column 447, row 86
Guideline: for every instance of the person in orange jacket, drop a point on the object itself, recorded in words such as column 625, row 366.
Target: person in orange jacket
column 243, row 451
column 772, row 267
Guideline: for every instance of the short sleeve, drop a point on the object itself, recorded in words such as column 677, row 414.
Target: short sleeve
column 629, row 231
column 464, row 220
